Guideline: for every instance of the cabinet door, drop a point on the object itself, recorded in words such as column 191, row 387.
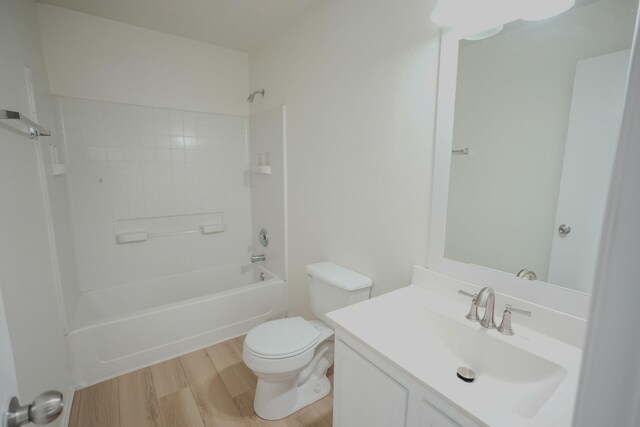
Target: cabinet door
column 366, row 396
column 432, row 417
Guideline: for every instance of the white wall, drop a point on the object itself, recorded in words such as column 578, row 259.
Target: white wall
column 268, row 192
column 358, row 79
column 95, row 58
column 27, row 265
column 512, row 109
column 135, row 162
column 609, row 392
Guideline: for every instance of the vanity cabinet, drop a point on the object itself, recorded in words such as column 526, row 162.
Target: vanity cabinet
column 369, row 391
column 430, row 416
column 368, row 396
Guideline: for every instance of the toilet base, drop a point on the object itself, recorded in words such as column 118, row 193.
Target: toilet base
column 279, row 396
column 279, row 405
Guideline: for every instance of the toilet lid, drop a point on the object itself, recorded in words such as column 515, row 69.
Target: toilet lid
column 281, row 338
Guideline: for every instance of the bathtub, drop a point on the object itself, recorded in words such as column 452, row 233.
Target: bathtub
column 123, row 328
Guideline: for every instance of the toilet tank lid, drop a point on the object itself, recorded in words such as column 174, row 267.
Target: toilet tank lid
column 338, row 276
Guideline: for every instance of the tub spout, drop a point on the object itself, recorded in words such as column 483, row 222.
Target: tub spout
column 256, row 258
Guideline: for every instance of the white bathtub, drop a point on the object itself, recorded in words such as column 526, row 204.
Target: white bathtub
column 123, row 328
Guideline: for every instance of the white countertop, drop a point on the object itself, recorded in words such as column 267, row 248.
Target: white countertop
column 400, row 327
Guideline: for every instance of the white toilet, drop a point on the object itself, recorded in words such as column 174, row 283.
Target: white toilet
column 291, row 356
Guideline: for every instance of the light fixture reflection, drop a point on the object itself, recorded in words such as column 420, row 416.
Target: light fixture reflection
column 485, row 34
column 484, row 18
column 543, row 9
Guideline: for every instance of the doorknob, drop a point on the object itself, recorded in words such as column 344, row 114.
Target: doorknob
column 44, row 409
column 564, row 229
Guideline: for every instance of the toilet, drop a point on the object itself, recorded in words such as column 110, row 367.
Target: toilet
column 291, row 356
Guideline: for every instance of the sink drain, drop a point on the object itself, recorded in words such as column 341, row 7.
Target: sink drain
column 466, row 374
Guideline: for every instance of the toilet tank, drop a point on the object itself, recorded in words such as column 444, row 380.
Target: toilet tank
column 332, row 286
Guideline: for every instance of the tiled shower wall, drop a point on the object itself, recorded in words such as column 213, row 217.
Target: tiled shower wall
column 131, row 161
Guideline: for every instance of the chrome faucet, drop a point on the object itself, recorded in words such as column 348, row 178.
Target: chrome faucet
column 256, row 258
column 486, row 299
column 527, row 274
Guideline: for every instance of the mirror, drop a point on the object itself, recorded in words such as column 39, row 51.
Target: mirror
column 529, row 141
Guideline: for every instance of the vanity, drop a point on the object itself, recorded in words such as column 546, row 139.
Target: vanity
column 528, row 117
column 397, row 355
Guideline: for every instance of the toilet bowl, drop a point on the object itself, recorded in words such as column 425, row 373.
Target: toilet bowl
column 291, row 356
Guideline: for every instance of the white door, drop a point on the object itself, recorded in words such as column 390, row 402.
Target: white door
column 8, row 382
column 592, row 138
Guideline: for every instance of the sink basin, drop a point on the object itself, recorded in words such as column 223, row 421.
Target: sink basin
column 522, row 378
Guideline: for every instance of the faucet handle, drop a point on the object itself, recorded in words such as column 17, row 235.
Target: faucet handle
column 467, row 294
column 473, row 311
column 505, row 324
column 517, row 310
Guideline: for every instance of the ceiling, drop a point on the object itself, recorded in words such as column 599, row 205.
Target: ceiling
column 235, row 24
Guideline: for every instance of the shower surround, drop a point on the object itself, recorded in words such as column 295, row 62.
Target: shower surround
column 130, row 161
column 165, row 173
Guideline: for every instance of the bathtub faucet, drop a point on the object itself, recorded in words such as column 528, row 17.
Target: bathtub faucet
column 256, row 258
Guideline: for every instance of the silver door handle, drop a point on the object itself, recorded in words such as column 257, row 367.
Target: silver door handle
column 44, row 409
column 564, row 229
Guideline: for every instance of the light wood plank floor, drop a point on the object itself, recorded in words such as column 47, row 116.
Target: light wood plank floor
column 207, row 388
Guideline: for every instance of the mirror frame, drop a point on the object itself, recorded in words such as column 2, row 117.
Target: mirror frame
column 538, row 292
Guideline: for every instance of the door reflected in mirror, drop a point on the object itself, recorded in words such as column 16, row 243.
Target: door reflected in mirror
column 539, row 108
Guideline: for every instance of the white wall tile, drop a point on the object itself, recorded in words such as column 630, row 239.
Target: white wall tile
column 92, row 107
column 162, row 141
column 175, row 128
column 97, row 153
column 115, row 153
column 134, row 161
column 72, row 106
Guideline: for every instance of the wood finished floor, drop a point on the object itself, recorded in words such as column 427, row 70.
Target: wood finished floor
column 207, row 388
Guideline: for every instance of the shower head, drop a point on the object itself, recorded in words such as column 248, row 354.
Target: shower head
column 250, row 98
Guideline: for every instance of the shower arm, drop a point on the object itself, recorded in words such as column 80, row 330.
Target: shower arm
column 252, row 96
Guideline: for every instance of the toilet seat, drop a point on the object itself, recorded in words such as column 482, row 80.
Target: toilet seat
column 282, row 338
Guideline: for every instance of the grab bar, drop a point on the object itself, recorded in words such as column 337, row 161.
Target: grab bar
column 35, row 129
